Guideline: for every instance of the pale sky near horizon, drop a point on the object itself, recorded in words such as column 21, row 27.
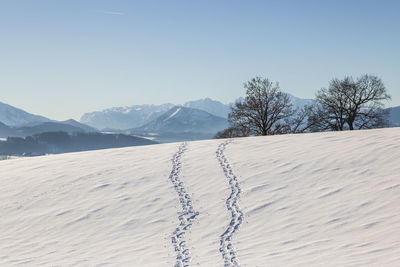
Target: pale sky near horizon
column 63, row 58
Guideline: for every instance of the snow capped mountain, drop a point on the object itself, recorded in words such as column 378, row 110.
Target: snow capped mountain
column 124, row 117
column 13, row 116
column 258, row 201
column 184, row 119
column 300, row 102
column 211, row 106
column 121, row 118
column 19, row 123
column 139, row 115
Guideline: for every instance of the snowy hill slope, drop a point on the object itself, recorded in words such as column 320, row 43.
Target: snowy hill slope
column 328, row 199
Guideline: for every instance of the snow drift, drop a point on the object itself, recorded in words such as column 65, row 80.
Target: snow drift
column 330, row 199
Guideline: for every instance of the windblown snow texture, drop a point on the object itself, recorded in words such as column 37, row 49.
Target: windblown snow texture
column 322, row 199
column 186, row 216
column 226, row 248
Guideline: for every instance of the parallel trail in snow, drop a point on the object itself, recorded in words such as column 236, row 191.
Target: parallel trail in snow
column 187, row 215
column 226, row 247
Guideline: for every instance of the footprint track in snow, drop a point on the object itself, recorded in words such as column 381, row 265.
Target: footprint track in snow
column 226, row 248
column 187, row 215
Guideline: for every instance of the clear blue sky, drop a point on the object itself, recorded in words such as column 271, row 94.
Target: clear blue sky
column 61, row 58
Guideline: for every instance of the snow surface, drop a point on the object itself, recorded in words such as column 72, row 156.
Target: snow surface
column 327, row 199
column 173, row 114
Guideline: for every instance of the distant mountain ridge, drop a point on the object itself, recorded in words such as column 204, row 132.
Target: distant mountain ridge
column 194, row 120
column 182, row 124
column 15, row 122
column 6, row 131
column 12, row 116
column 121, row 118
column 124, row 117
column 211, row 106
column 77, row 124
column 184, row 119
column 50, row 126
column 29, row 135
column 47, row 127
column 300, row 102
column 394, row 116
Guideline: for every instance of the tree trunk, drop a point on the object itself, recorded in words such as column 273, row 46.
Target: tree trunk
column 350, row 123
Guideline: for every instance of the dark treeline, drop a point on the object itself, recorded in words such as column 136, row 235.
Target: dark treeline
column 347, row 104
column 62, row 142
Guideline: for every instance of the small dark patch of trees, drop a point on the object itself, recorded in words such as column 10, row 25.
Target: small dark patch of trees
column 62, row 142
column 346, row 104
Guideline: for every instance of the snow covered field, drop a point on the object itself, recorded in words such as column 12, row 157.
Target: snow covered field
column 326, row 199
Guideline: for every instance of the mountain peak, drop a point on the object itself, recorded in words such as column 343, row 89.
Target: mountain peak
column 13, row 116
column 185, row 119
column 124, row 117
column 211, row 106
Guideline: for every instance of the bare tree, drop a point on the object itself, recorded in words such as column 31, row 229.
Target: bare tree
column 350, row 104
column 298, row 122
column 366, row 103
column 264, row 111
